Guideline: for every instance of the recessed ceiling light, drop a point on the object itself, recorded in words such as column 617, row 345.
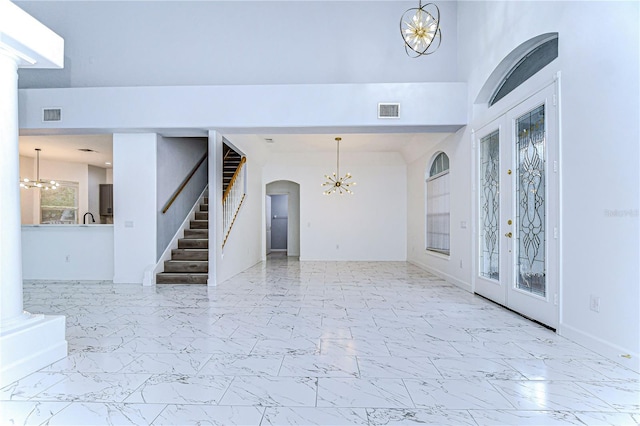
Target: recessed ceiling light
column 269, row 140
column 107, row 163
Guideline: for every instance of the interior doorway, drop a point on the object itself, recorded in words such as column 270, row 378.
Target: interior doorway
column 282, row 218
column 279, row 221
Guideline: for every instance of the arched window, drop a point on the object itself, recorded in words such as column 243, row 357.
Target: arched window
column 531, row 63
column 438, row 212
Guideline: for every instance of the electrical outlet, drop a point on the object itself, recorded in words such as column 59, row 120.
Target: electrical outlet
column 460, row 263
column 594, row 303
column 67, row 258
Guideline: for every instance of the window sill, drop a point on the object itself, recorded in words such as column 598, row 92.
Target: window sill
column 438, row 254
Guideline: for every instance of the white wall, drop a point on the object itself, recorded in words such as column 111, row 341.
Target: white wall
column 368, row 225
column 134, row 205
column 599, row 125
column 181, row 43
column 233, row 107
column 244, row 246
column 67, row 252
column 292, row 190
column 456, row 267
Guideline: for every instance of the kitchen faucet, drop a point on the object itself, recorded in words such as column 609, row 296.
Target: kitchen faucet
column 84, row 218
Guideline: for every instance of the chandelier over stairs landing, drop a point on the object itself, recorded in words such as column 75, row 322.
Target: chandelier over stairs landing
column 335, row 182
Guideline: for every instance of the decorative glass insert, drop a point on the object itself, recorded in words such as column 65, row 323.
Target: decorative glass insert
column 60, row 205
column 530, row 160
column 438, row 210
column 489, row 206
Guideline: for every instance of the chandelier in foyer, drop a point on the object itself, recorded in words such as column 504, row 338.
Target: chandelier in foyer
column 45, row 184
column 419, row 27
column 335, row 182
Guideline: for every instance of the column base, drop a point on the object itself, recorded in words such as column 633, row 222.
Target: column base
column 30, row 344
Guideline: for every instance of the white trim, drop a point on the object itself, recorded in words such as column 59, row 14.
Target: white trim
column 448, row 278
column 602, row 347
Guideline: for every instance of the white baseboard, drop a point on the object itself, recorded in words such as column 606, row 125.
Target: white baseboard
column 602, row 347
column 448, row 278
column 30, row 344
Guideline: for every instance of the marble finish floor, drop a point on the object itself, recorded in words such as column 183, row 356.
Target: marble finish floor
column 332, row 343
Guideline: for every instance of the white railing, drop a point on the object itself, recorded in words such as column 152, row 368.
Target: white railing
column 232, row 199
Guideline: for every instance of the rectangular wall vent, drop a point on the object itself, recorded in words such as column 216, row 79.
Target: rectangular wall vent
column 387, row 110
column 51, row 114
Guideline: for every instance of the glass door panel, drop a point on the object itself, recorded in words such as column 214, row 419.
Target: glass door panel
column 530, row 198
column 490, row 206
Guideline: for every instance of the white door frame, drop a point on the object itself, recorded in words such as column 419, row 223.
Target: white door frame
column 513, row 298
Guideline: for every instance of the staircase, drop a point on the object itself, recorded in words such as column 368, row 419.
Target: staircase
column 231, row 161
column 189, row 263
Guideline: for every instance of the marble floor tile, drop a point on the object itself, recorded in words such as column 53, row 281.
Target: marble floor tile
column 422, row 348
column 92, row 362
column 161, row 363
column 374, row 393
column 418, row 416
column 94, row 387
column 30, row 386
column 623, row 396
column 532, row 418
column 319, row 366
column 456, row 395
column 243, row 365
column 351, row 347
column 215, row 415
column 555, row 396
column 476, row 368
column 279, row 416
column 180, row 389
column 298, row 346
column 290, row 342
column 608, row 418
column 94, row 413
column 28, row 412
column 396, row 367
column 555, row 369
column 271, row 391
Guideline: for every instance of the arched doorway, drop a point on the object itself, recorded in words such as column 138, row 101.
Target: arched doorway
column 282, row 217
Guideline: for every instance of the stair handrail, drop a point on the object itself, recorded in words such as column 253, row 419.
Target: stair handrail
column 233, row 179
column 184, row 184
column 232, row 200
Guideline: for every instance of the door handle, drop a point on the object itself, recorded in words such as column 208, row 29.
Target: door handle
column 508, row 235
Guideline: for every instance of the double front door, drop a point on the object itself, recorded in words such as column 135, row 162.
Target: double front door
column 517, row 209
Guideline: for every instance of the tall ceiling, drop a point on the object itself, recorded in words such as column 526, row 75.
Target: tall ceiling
column 241, row 42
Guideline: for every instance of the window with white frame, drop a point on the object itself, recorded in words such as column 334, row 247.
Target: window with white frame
column 438, row 205
column 60, row 205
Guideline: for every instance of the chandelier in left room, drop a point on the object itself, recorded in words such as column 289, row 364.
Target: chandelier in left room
column 45, row 184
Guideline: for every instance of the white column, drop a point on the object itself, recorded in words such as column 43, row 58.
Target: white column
column 27, row 342
column 10, row 231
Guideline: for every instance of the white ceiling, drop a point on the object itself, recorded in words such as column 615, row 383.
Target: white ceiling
column 66, row 148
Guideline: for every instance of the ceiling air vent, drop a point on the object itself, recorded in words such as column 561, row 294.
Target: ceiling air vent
column 51, row 114
column 387, row 110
